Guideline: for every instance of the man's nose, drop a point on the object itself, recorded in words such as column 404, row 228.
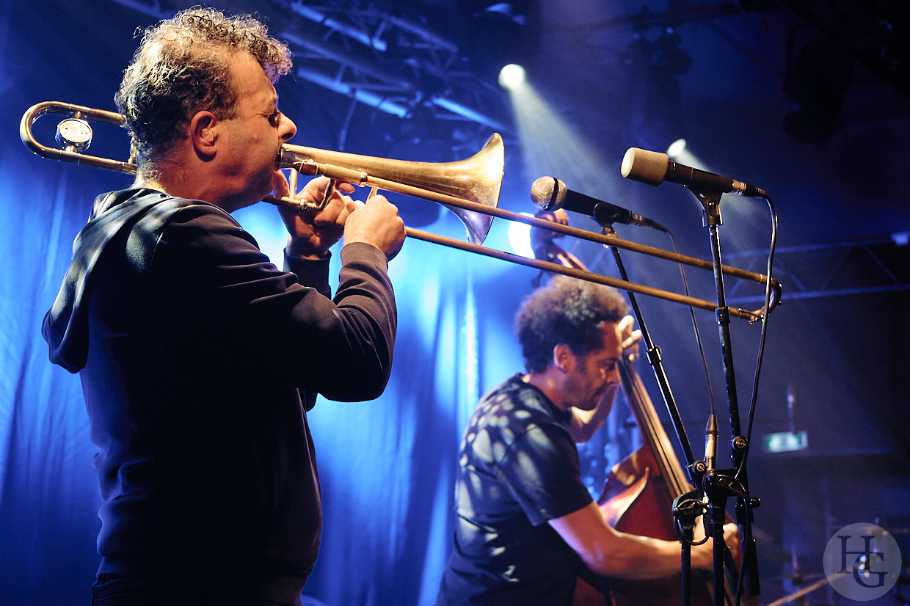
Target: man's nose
column 288, row 129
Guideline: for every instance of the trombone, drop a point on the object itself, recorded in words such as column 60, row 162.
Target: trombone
column 469, row 188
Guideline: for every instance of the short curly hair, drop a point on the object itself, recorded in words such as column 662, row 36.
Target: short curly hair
column 566, row 311
column 181, row 67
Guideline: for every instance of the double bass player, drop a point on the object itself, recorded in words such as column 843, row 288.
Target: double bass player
column 526, row 530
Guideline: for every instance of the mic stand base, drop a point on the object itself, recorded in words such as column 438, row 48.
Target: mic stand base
column 686, row 509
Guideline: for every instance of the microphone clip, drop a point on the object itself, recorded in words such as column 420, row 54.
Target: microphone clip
column 608, row 214
column 710, row 205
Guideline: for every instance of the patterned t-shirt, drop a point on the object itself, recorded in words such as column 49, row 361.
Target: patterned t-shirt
column 517, row 469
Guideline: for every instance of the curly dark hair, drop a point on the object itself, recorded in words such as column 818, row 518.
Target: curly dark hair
column 181, row 66
column 565, row 311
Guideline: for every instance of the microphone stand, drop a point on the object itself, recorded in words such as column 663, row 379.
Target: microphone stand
column 655, row 358
column 720, row 484
column 686, row 507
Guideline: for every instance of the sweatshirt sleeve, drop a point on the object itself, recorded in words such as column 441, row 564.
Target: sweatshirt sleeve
column 341, row 347
column 309, row 272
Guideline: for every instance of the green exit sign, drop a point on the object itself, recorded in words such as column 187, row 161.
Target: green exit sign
column 785, row 441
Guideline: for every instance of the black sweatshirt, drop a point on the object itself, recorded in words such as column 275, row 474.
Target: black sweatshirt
column 198, row 360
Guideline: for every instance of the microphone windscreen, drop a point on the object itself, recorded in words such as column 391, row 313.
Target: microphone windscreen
column 646, row 166
column 548, row 193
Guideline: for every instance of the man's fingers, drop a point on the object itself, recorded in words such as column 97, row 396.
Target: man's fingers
column 731, row 533
column 340, row 186
column 629, row 337
column 331, row 212
column 625, row 324
column 314, row 190
column 699, row 531
column 632, row 339
column 731, row 538
column 318, row 185
column 561, row 216
column 350, row 206
column 337, row 211
column 377, row 199
column 328, row 214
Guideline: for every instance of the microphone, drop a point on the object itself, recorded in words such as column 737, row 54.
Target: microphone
column 710, row 442
column 550, row 193
column 654, row 168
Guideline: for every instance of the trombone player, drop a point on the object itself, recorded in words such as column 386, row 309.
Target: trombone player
column 198, row 357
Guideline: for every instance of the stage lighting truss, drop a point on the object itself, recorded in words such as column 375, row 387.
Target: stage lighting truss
column 375, row 58
column 823, row 271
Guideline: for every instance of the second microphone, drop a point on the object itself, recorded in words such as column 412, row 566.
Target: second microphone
column 550, row 193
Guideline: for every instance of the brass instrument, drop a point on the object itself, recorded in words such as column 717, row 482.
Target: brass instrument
column 469, row 188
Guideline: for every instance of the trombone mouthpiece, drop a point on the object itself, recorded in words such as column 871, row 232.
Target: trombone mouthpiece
column 289, row 159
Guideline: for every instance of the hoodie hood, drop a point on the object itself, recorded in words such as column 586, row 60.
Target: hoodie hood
column 65, row 325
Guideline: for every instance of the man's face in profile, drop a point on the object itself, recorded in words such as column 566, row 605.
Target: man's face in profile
column 592, row 375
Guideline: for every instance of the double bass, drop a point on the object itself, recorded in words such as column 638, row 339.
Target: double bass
column 638, row 495
column 637, row 498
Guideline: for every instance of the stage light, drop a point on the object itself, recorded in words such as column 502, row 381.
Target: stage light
column 676, row 148
column 520, row 238
column 511, row 76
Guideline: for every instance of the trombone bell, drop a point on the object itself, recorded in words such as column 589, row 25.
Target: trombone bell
column 476, row 179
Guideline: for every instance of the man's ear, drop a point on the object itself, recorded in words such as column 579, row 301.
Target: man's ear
column 563, row 358
column 203, row 133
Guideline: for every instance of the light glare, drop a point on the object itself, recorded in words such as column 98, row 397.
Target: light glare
column 520, row 238
column 511, row 76
column 676, row 148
